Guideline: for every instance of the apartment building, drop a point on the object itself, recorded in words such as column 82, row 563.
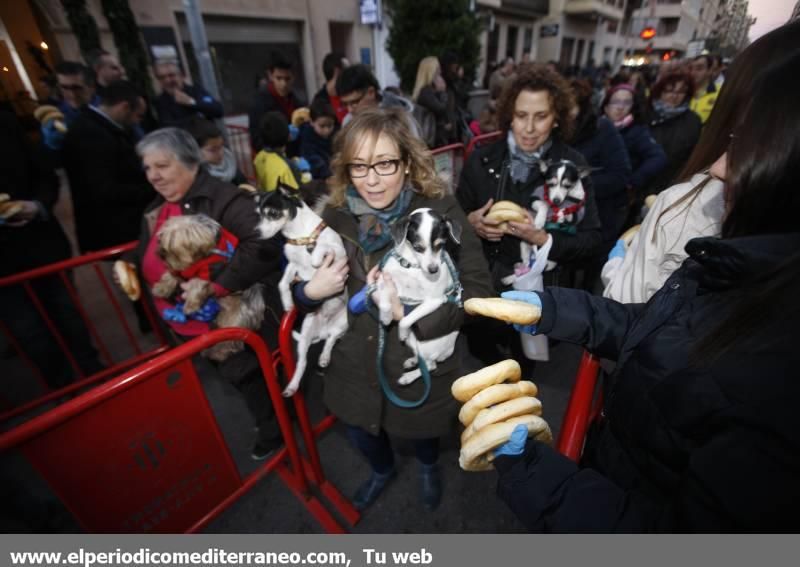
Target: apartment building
column 676, row 23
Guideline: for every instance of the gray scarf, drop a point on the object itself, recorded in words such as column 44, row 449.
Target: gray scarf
column 226, row 170
column 523, row 162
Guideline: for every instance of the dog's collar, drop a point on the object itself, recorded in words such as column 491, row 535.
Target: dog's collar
column 310, row 241
column 405, row 262
column 565, row 210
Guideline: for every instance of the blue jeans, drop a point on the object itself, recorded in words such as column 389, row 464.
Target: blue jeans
column 378, row 449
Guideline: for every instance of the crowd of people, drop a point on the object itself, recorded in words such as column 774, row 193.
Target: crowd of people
column 697, row 312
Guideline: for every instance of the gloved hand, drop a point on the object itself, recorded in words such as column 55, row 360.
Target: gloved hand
column 515, row 444
column 358, row 303
column 302, row 164
column 618, row 251
column 294, row 132
column 51, row 136
column 528, row 297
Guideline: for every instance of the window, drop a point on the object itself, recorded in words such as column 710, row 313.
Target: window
column 527, row 40
column 612, row 26
column 668, row 26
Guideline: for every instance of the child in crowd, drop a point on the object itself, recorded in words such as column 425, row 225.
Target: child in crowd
column 315, row 138
column 219, row 161
column 272, row 165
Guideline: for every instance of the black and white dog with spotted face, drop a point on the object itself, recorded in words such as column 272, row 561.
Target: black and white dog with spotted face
column 424, row 276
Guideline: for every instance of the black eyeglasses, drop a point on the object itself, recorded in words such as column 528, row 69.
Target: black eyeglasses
column 384, row 167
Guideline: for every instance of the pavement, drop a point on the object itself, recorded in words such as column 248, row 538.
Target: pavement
column 469, row 504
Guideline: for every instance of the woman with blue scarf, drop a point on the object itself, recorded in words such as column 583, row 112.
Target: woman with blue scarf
column 381, row 172
column 536, row 113
column 673, row 125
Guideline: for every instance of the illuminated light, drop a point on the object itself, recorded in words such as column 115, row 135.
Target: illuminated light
column 5, row 69
column 648, row 33
column 666, row 57
column 44, row 46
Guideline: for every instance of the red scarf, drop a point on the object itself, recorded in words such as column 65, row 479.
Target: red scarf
column 554, row 210
column 222, row 253
column 284, row 102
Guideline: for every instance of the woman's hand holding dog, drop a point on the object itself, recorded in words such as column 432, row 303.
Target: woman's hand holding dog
column 527, row 231
column 486, row 228
column 329, row 279
column 388, row 286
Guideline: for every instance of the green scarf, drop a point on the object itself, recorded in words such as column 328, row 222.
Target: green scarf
column 375, row 226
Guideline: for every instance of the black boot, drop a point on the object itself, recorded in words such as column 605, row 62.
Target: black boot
column 430, row 486
column 368, row 492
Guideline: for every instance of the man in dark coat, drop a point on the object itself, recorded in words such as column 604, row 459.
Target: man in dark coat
column 109, row 189
column 30, row 239
column 179, row 102
column 276, row 96
column 332, row 66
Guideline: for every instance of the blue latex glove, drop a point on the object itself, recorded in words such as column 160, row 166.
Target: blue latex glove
column 618, row 251
column 294, row 132
column 302, row 164
column 207, row 313
column 51, row 137
column 358, row 303
column 516, row 443
column 528, row 297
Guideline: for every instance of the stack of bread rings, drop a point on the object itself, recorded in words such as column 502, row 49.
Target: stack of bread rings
column 495, row 400
column 48, row 112
column 505, row 211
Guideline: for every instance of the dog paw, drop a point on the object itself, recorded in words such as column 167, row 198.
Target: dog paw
column 408, row 377
column 324, row 360
column 509, row 280
column 289, row 390
column 403, row 332
column 386, row 318
column 410, row 363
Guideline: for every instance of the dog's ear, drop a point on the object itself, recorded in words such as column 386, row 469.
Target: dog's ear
column 399, row 231
column 454, row 230
column 543, row 165
column 585, row 170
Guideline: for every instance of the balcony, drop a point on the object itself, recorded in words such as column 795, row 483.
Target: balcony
column 526, row 8
column 609, row 10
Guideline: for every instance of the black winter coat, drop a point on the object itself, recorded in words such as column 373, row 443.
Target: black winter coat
column 108, row 185
column 262, row 103
column 648, row 159
column 677, row 136
column 601, row 145
column 486, row 176
column 171, row 113
column 26, row 175
column 711, row 447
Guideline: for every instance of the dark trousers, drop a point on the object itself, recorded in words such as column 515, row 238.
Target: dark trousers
column 378, row 449
column 19, row 314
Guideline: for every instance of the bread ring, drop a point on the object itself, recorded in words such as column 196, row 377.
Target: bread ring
column 10, row 208
column 467, row 386
column 493, row 395
column 507, row 310
column 128, row 280
column 44, row 109
column 476, row 453
column 507, row 206
column 627, row 236
column 506, row 410
column 649, row 201
column 4, row 197
column 507, row 215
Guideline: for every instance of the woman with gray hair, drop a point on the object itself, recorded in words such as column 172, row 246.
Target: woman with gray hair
column 172, row 163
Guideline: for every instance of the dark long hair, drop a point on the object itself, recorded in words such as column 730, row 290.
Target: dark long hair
column 769, row 50
column 764, row 157
column 761, row 181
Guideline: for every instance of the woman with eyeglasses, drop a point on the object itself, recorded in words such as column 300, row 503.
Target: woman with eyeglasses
column 673, row 125
column 647, row 157
column 699, row 430
column 381, row 172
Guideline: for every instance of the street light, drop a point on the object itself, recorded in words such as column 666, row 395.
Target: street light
column 648, row 33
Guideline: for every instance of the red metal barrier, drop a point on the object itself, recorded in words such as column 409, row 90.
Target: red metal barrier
column 580, row 409
column 481, row 140
column 101, row 326
column 312, row 464
column 144, row 452
column 448, row 161
column 239, row 141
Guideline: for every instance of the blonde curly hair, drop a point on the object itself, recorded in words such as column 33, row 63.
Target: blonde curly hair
column 366, row 127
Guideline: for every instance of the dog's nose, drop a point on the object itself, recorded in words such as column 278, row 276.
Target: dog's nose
column 433, row 269
column 557, row 202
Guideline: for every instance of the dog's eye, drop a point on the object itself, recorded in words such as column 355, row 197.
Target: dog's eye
column 273, row 214
column 418, row 248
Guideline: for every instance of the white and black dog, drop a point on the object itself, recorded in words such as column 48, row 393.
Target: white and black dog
column 308, row 240
column 558, row 202
column 424, row 277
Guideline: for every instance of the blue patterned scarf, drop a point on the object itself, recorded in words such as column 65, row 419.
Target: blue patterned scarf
column 669, row 111
column 375, row 226
column 523, row 162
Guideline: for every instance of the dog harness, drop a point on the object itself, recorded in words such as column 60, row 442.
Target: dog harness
column 310, row 241
column 453, row 294
column 562, row 212
column 222, row 253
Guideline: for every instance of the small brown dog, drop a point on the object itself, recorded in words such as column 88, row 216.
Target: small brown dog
column 192, row 246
